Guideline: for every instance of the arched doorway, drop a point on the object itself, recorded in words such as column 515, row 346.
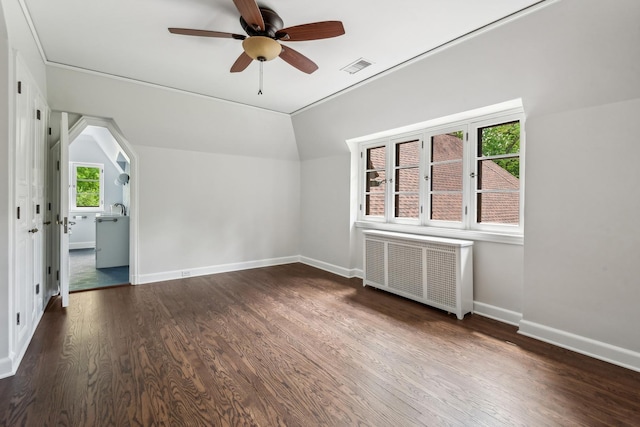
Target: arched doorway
column 120, row 161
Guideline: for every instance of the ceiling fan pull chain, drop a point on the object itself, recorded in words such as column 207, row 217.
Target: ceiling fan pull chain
column 260, row 88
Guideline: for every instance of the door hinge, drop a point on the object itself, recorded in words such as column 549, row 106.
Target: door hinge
column 19, row 87
column 38, row 289
column 49, row 270
column 360, row 206
column 18, row 318
column 49, row 131
column 49, row 206
column 467, row 136
column 57, row 274
column 37, row 209
column 361, row 155
column 421, row 209
column 422, row 144
column 58, row 165
column 38, row 114
column 466, row 210
column 18, row 212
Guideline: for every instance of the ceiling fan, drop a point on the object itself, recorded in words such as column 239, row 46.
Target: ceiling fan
column 264, row 28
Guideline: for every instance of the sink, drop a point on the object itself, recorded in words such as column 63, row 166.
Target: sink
column 107, row 215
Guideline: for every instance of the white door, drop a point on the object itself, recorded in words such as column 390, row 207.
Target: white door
column 37, row 208
column 23, row 261
column 64, row 209
column 53, row 283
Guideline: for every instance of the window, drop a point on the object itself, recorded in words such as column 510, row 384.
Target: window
column 87, row 187
column 497, row 191
column 375, row 191
column 462, row 175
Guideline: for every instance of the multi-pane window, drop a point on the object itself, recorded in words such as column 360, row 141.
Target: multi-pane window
column 87, row 185
column 498, row 170
column 406, row 190
column 376, row 172
column 466, row 175
column 445, row 176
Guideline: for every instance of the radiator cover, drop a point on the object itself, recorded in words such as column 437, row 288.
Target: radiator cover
column 431, row 270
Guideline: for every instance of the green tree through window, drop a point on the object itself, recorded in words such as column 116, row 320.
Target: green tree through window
column 500, row 140
column 87, row 187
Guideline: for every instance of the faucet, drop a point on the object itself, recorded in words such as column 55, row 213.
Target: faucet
column 124, row 209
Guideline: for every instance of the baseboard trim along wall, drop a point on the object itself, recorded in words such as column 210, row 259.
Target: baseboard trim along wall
column 9, row 365
column 82, row 245
column 6, row 368
column 587, row 346
column 214, row 269
column 496, row 313
column 349, row 273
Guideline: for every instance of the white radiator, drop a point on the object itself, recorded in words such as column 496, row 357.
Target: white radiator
column 431, row 270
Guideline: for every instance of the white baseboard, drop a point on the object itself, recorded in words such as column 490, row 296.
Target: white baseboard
column 587, row 346
column 497, row 313
column 214, row 269
column 82, row 245
column 349, row 273
column 6, row 367
column 9, row 365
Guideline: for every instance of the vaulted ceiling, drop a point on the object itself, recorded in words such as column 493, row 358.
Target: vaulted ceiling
column 130, row 39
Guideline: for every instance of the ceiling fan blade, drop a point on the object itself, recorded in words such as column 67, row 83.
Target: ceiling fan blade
column 250, row 12
column 206, row 33
column 298, row 60
column 241, row 63
column 313, row 31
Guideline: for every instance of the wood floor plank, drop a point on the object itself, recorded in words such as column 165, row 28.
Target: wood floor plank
column 295, row 346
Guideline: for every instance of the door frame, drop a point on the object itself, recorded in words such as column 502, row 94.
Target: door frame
column 132, row 209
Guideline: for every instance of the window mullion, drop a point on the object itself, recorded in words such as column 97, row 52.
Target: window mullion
column 389, row 202
column 424, row 183
column 470, row 183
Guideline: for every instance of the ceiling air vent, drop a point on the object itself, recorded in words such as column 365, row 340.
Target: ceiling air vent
column 356, row 66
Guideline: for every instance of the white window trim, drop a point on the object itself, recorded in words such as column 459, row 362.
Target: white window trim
column 73, row 191
column 468, row 228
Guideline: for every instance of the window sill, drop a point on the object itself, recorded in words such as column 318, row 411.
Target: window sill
column 475, row 235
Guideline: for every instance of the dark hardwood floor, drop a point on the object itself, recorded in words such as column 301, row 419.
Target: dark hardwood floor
column 295, row 346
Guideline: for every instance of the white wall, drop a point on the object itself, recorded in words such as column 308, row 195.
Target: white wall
column 164, row 118
column 325, row 210
column 21, row 39
column 562, row 59
column 219, row 183
column 581, row 262
column 201, row 210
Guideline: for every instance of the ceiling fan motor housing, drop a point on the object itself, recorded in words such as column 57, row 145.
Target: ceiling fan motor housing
column 272, row 22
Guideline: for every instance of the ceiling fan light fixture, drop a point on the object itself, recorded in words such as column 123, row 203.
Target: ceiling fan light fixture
column 261, row 48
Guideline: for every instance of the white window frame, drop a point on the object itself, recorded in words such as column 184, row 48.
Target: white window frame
column 468, row 227
column 473, row 159
column 363, row 184
column 463, row 223
column 391, row 168
column 73, row 187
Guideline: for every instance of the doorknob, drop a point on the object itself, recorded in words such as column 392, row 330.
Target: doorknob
column 33, row 230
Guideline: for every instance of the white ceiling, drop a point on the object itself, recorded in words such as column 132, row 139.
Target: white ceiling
column 130, row 39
